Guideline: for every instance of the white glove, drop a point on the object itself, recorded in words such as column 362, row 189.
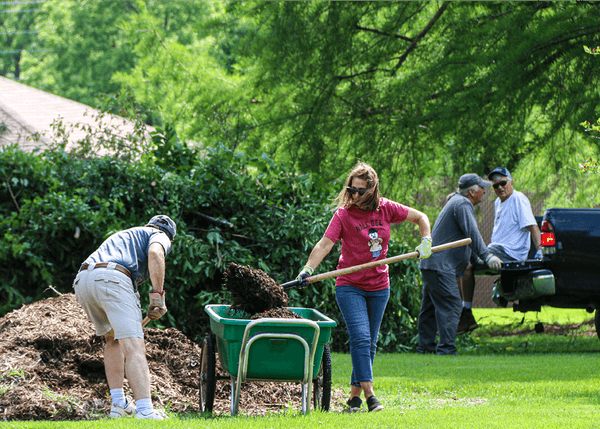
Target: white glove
column 157, row 307
column 424, row 248
column 494, row 262
column 538, row 254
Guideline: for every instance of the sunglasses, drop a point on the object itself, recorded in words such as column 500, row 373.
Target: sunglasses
column 361, row 191
column 500, row 183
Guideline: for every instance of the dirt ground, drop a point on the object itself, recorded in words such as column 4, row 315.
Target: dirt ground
column 51, row 368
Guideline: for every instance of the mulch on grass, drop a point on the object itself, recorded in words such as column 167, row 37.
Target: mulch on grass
column 51, row 368
column 585, row 329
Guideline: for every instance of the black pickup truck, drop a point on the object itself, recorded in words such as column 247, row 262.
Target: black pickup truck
column 568, row 275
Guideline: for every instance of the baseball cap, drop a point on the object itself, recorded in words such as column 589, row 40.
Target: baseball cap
column 468, row 180
column 500, row 170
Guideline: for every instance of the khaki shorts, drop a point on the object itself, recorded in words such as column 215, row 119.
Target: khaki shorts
column 110, row 301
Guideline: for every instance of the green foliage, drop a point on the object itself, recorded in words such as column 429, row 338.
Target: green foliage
column 423, row 91
column 17, row 36
column 59, row 206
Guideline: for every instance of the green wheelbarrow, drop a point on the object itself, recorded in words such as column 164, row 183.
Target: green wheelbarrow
column 269, row 349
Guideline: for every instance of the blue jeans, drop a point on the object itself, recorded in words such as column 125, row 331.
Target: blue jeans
column 363, row 312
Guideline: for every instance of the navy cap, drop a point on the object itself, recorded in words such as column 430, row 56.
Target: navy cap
column 500, row 170
column 468, row 180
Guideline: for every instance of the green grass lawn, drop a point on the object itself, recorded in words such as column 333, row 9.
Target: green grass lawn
column 529, row 380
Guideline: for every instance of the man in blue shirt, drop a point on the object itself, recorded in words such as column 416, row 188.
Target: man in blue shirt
column 514, row 228
column 106, row 287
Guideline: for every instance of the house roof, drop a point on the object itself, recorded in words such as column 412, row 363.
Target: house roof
column 25, row 111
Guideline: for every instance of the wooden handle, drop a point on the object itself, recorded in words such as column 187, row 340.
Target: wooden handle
column 145, row 321
column 341, row 272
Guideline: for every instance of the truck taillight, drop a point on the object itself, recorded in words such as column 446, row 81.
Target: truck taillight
column 548, row 238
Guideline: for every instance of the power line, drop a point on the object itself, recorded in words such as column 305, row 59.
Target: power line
column 21, row 32
column 25, row 50
column 21, row 2
column 20, row 11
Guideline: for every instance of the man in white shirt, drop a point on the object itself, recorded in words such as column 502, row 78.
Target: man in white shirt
column 514, row 227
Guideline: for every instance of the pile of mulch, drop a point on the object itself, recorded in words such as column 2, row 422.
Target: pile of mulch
column 277, row 313
column 51, row 368
column 252, row 290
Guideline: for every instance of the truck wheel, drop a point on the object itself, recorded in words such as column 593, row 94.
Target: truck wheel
column 597, row 322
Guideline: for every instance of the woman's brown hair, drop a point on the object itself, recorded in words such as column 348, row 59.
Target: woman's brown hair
column 370, row 199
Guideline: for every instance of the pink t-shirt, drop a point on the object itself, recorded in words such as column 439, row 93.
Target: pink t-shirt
column 365, row 236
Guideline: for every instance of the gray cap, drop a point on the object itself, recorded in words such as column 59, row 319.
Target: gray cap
column 468, row 180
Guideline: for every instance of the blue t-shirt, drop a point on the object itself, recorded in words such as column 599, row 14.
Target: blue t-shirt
column 129, row 248
column 513, row 216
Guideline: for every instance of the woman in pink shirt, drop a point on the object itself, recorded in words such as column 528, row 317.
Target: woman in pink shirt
column 362, row 221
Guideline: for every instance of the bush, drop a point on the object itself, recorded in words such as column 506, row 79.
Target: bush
column 57, row 208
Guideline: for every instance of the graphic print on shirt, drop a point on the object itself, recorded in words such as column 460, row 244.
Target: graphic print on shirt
column 375, row 242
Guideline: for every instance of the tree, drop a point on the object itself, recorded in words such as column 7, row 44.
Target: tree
column 18, row 35
column 88, row 42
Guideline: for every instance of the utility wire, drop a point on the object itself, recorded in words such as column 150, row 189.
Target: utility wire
column 21, row 2
column 21, row 32
column 25, row 50
column 20, row 11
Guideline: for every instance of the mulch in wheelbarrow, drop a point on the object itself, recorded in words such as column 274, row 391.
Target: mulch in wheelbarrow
column 51, row 368
column 255, row 293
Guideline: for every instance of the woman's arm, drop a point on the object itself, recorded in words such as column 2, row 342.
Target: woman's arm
column 421, row 220
column 321, row 249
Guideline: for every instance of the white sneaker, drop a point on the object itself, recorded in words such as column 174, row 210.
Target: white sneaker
column 117, row 411
column 154, row 415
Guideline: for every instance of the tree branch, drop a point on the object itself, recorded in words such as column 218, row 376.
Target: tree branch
column 384, row 33
column 350, row 76
column 422, row 34
column 12, row 195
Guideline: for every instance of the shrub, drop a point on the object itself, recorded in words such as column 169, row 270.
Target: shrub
column 57, row 208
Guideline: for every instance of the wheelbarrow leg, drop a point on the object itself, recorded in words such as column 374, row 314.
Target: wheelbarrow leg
column 236, row 386
column 305, row 398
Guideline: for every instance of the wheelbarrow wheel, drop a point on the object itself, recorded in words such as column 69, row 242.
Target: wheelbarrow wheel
column 208, row 376
column 322, row 382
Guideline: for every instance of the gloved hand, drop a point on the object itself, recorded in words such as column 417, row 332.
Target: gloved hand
column 424, row 248
column 157, row 307
column 494, row 262
column 538, row 254
column 306, row 272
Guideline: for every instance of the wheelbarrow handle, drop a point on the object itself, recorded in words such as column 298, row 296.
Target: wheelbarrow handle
column 348, row 270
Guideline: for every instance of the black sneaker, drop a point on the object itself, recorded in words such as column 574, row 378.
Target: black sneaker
column 355, row 404
column 374, row 404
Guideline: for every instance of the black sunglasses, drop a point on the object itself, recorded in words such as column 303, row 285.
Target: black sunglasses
column 500, row 183
column 361, row 191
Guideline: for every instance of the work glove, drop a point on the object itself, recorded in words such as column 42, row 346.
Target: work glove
column 494, row 262
column 157, row 307
column 306, row 272
column 424, row 248
column 538, row 254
